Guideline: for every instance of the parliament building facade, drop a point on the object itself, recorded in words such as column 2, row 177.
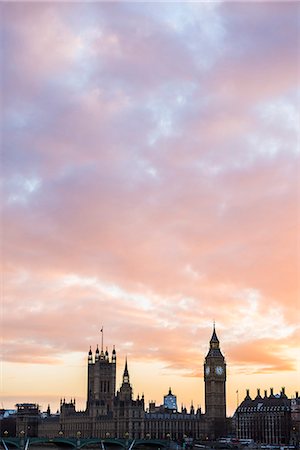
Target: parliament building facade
column 116, row 414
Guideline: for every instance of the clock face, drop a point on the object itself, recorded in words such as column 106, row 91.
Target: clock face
column 219, row 370
column 207, row 370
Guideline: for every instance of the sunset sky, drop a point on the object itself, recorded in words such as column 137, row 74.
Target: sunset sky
column 150, row 186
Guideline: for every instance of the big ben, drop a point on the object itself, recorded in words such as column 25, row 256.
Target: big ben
column 215, row 387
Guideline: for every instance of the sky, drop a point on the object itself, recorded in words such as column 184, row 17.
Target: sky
column 150, row 186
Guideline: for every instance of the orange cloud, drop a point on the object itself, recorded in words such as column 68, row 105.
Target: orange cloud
column 151, row 185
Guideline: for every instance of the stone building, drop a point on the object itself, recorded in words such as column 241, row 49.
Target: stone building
column 7, row 422
column 126, row 416
column 49, row 426
column 27, row 419
column 295, row 416
column 175, row 425
column 265, row 419
column 117, row 414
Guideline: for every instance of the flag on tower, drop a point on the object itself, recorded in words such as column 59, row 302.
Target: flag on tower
column 101, row 339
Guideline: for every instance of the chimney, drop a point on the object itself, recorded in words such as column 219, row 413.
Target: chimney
column 266, row 394
column 258, row 392
column 271, row 392
column 283, row 392
column 297, row 394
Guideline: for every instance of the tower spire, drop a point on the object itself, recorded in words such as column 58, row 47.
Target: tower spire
column 214, row 341
column 114, row 356
column 90, row 356
column 126, row 389
column 126, row 373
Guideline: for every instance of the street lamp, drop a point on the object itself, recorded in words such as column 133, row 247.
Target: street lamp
column 22, row 433
column 60, row 433
column 107, row 435
column 169, row 439
column 126, row 437
column 5, row 433
column 78, row 434
column 148, row 435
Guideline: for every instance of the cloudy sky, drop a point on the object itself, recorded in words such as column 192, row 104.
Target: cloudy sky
column 150, row 186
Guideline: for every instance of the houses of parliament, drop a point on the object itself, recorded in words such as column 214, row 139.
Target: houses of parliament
column 115, row 414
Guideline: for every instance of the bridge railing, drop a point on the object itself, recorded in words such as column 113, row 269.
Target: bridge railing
column 127, row 444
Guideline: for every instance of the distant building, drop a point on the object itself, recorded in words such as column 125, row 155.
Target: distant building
column 266, row 419
column 8, row 422
column 28, row 418
column 295, row 415
column 175, row 425
column 170, row 401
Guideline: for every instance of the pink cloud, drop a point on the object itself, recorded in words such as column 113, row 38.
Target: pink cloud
column 163, row 189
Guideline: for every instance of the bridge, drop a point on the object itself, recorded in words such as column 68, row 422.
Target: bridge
column 10, row 443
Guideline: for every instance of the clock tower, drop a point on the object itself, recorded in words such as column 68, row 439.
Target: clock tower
column 215, row 387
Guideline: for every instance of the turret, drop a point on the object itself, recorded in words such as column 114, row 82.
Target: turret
column 258, row 393
column 214, row 341
column 170, row 401
column 90, row 356
column 282, row 393
column 97, row 354
column 126, row 374
column 125, row 393
column 247, row 395
column 192, row 410
column 214, row 345
column 114, row 356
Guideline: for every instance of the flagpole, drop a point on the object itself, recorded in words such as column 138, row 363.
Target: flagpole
column 101, row 339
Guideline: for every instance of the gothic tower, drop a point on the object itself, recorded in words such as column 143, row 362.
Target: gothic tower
column 125, row 389
column 215, row 387
column 101, row 381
